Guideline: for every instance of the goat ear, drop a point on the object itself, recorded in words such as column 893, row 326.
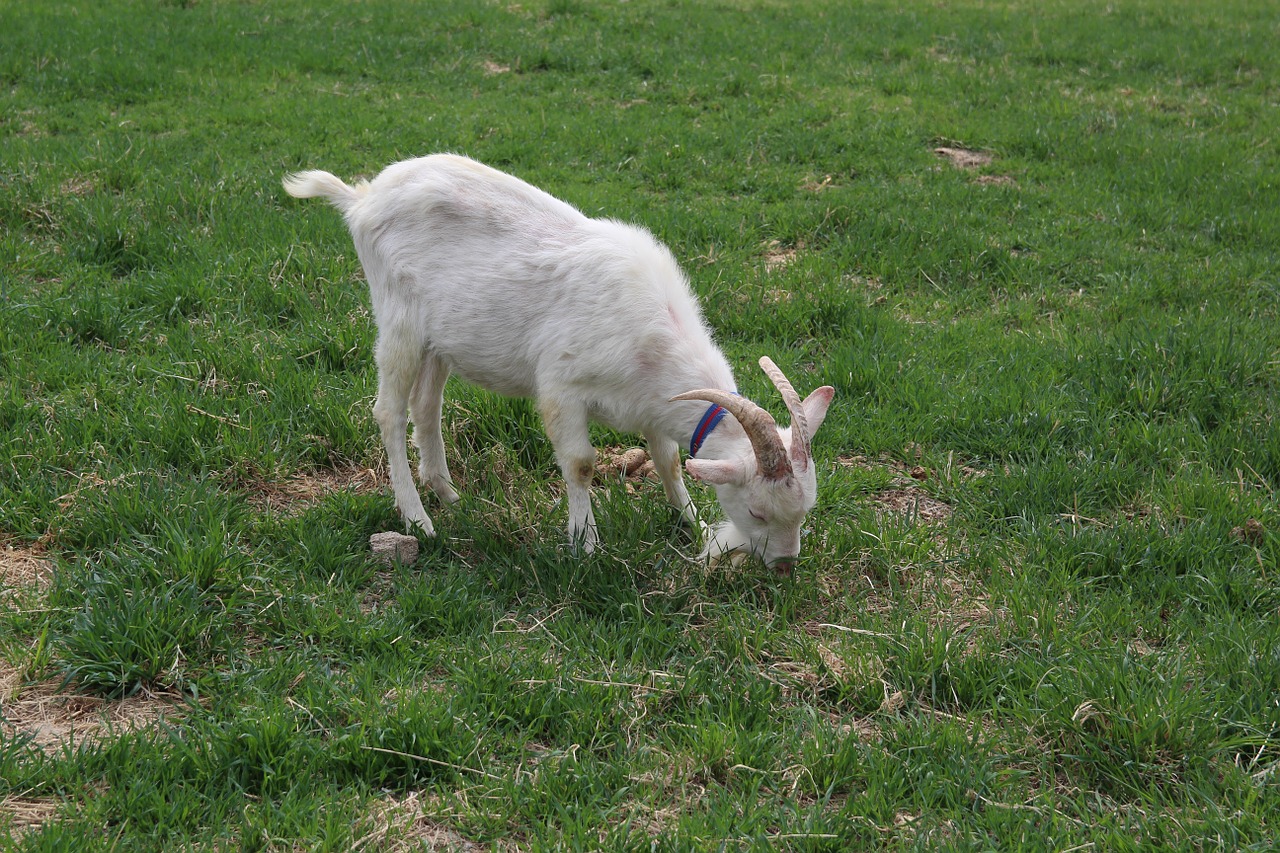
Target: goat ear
column 815, row 407
column 715, row 472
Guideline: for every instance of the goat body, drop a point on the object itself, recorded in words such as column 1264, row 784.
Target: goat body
column 474, row 272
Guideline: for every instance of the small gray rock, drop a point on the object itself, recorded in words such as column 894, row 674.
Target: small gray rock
column 392, row 547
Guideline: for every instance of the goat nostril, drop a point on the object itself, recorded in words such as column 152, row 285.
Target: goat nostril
column 784, row 566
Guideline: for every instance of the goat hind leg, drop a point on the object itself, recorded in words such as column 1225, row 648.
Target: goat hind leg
column 396, row 378
column 426, row 404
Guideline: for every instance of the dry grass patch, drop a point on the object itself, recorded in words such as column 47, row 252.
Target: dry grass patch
column 55, row 720
column 79, row 186
column 817, row 186
column 964, row 158
column 91, row 482
column 870, row 286
column 23, row 569
column 513, row 624
column 778, row 256
column 20, row 815
column 966, row 615
column 943, row 600
column 303, row 489
column 406, row 823
column 379, row 592
column 914, row 503
column 825, row 657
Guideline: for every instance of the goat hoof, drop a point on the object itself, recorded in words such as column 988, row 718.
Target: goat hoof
column 423, row 525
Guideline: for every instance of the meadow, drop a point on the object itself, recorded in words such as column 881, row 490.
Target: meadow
column 1034, row 246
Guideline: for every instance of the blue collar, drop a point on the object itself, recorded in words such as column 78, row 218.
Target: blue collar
column 710, row 419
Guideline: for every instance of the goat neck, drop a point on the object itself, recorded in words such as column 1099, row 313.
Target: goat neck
column 757, row 425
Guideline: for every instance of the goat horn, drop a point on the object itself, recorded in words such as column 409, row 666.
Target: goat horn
column 759, row 425
column 800, row 452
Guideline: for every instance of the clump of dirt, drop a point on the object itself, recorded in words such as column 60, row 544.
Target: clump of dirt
column 630, row 464
column 1251, row 531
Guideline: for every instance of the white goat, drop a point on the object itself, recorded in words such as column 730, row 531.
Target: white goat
column 472, row 271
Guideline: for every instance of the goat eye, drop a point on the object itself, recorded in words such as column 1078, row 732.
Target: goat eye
column 757, row 516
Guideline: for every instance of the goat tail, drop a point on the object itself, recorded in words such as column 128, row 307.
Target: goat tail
column 319, row 184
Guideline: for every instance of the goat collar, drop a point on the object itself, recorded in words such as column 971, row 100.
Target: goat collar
column 710, row 419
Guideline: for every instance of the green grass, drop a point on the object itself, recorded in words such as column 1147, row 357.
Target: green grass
column 1063, row 632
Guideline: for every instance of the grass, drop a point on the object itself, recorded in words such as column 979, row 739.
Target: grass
column 1037, row 607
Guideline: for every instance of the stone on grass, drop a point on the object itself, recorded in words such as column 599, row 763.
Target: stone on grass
column 392, row 547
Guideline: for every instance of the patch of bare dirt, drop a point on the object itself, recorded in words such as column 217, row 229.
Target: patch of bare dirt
column 54, row 719
column 777, row 256
column 31, row 130
column 870, row 286
column 946, row 600
column 969, row 160
column 904, row 496
column 915, row 503
column 964, row 158
column 303, row 489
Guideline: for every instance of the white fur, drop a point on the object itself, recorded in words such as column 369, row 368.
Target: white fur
column 474, row 272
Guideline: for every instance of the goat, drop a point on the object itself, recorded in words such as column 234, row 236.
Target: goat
column 475, row 272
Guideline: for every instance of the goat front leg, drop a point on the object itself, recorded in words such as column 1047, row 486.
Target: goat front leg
column 666, row 461
column 397, row 374
column 426, row 405
column 566, row 426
